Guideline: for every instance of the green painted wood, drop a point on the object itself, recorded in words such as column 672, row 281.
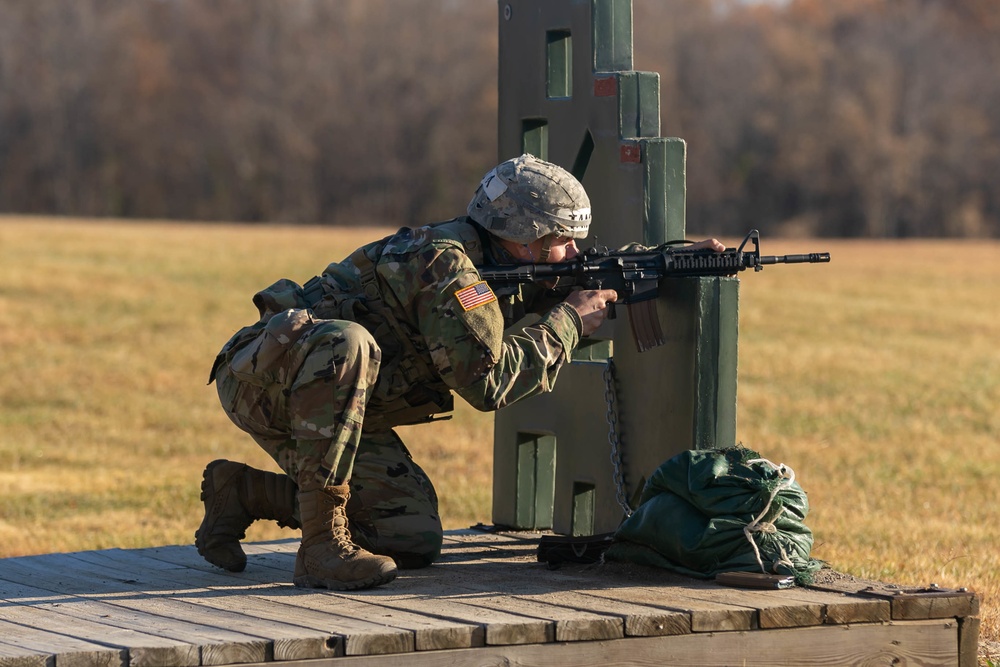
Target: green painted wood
column 718, row 321
column 545, row 485
column 526, row 488
column 535, row 138
column 612, row 35
column 559, row 64
column 665, row 189
column 584, row 501
column 671, row 398
column 536, row 473
column 638, row 104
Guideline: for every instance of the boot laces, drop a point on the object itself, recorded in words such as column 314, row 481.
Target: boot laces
column 341, row 533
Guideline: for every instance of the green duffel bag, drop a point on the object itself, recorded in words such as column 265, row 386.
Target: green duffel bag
column 709, row 511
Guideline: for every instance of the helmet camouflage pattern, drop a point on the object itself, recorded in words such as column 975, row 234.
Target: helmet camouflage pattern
column 525, row 198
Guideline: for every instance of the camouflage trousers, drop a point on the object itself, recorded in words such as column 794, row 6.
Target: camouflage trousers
column 298, row 387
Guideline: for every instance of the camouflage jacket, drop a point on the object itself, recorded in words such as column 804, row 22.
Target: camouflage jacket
column 439, row 326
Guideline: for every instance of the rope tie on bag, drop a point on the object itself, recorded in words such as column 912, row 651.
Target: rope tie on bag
column 758, row 525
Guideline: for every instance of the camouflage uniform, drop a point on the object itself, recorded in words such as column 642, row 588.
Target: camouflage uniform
column 379, row 340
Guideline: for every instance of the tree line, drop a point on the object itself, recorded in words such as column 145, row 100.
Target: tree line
column 873, row 118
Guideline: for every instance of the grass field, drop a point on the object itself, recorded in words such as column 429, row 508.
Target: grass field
column 876, row 378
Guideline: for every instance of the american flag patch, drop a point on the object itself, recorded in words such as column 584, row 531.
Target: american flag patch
column 475, row 295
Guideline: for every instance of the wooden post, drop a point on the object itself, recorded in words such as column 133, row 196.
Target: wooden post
column 567, row 94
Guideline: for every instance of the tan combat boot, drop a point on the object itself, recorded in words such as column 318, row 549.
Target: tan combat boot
column 235, row 496
column 328, row 557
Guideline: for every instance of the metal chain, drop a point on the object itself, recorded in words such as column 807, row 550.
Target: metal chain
column 610, row 397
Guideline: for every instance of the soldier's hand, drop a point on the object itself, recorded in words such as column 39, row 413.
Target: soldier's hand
column 711, row 244
column 592, row 306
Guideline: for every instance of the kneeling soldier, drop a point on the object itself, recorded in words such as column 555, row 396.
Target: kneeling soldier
column 379, row 340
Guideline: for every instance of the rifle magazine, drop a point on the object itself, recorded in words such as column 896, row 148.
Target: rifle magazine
column 645, row 323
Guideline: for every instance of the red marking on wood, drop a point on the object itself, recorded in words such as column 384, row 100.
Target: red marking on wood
column 630, row 152
column 605, row 86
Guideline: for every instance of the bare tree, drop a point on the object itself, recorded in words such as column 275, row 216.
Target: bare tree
column 856, row 117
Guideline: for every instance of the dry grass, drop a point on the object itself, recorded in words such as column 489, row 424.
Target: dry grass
column 877, row 378
column 108, row 330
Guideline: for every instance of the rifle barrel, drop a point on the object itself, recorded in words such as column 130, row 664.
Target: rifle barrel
column 810, row 258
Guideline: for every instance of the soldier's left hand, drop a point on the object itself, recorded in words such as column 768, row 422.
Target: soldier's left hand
column 711, row 244
column 592, row 306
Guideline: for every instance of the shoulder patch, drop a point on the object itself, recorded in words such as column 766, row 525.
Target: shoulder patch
column 475, row 295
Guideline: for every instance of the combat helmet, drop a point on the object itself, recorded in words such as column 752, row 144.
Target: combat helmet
column 525, row 198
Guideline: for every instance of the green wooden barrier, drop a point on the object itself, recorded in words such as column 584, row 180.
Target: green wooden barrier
column 567, row 94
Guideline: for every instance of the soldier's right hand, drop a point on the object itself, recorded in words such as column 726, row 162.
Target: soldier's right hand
column 592, row 306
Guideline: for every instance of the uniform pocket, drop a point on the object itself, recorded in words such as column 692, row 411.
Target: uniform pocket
column 255, row 409
column 253, row 380
column 266, row 360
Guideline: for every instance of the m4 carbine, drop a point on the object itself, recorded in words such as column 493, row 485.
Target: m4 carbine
column 636, row 275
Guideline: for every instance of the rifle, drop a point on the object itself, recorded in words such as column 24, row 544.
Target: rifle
column 636, row 275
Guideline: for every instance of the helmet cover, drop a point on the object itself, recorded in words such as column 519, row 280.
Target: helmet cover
column 525, row 198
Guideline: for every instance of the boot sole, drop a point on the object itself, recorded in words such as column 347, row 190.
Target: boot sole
column 207, row 488
column 309, row 581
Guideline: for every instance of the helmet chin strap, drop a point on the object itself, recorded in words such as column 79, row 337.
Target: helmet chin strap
column 546, row 248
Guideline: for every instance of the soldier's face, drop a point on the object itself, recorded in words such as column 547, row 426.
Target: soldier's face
column 561, row 249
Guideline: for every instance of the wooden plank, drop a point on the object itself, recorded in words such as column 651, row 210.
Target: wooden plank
column 785, row 608
column 524, row 578
column 772, row 610
column 639, row 620
column 925, row 643
column 495, row 627
column 190, row 592
column 484, row 601
column 918, row 607
column 44, row 610
column 491, row 626
column 61, row 573
column 840, row 608
column 906, row 604
column 544, row 584
column 706, row 616
column 518, row 621
column 570, row 624
column 791, row 607
column 769, row 609
column 249, row 607
column 497, row 624
column 74, row 655
column 968, row 641
column 72, row 651
column 321, row 635
column 71, row 637
column 14, row 655
column 425, row 633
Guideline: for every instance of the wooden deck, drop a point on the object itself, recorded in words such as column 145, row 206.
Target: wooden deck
column 488, row 602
